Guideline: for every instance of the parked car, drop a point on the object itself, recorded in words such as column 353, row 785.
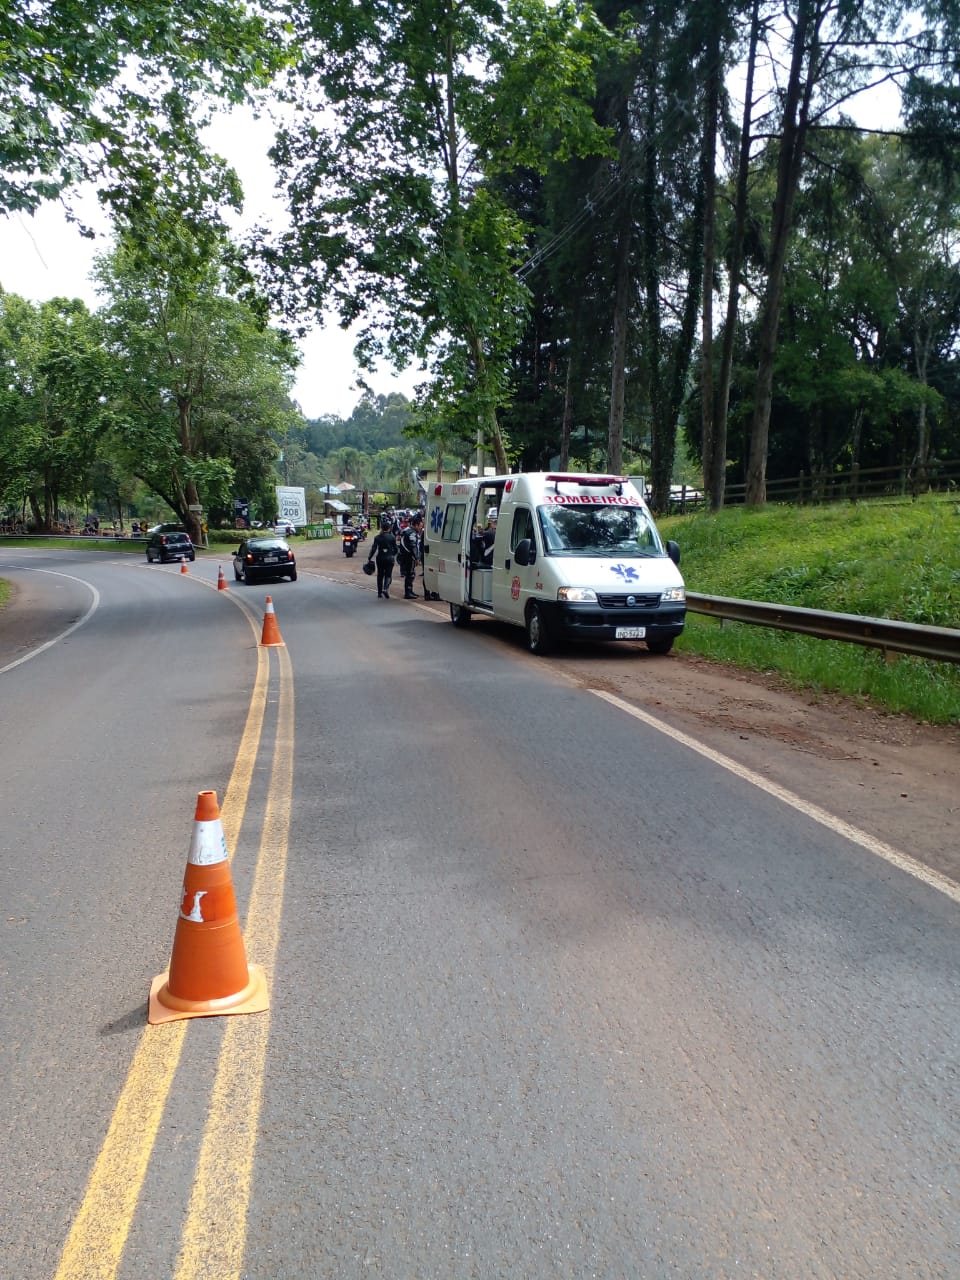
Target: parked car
column 284, row 528
column 265, row 557
column 170, row 546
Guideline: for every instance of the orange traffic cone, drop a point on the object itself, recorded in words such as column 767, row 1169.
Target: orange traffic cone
column 271, row 632
column 183, row 566
column 221, row 580
column 208, row 972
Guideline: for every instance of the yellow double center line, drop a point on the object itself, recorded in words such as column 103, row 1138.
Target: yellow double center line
column 214, row 1235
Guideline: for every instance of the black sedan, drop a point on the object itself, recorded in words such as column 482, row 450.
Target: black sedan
column 257, row 559
column 170, row 546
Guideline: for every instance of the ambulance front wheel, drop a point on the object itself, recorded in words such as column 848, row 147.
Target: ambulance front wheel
column 663, row 645
column 538, row 631
column 459, row 616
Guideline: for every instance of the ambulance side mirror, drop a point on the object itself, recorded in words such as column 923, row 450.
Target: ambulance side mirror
column 673, row 551
column 525, row 552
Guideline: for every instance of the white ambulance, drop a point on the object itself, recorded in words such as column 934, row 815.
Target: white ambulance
column 566, row 556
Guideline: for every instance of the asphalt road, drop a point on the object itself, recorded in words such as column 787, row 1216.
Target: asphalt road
column 553, row 994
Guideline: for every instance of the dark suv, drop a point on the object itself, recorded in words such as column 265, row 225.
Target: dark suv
column 170, row 546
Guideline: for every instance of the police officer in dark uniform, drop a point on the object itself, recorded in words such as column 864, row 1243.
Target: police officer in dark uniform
column 410, row 554
column 383, row 550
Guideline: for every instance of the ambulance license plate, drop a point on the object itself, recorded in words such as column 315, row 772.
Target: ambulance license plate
column 631, row 633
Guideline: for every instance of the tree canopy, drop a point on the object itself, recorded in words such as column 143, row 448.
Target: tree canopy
column 538, row 203
column 202, row 398
column 408, row 110
column 56, row 405
column 116, row 94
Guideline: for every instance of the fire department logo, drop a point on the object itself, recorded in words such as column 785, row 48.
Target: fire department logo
column 515, row 588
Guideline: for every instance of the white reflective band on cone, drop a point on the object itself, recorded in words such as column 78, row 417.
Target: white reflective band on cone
column 207, row 844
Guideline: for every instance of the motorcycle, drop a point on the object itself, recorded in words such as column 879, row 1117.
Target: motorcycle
column 351, row 540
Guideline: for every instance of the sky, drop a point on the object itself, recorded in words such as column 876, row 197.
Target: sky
column 46, row 257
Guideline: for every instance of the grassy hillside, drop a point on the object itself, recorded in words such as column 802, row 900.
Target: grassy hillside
column 887, row 560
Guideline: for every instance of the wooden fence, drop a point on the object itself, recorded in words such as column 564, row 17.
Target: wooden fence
column 858, row 483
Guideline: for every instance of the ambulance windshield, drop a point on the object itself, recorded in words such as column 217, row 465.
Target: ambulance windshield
column 590, row 529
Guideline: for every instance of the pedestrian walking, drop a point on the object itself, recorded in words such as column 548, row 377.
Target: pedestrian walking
column 383, row 551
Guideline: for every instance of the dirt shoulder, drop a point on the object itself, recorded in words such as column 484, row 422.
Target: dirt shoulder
column 889, row 775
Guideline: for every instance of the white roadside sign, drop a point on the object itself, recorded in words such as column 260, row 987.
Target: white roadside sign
column 292, row 504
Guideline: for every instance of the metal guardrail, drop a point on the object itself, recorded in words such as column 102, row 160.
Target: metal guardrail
column 940, row 643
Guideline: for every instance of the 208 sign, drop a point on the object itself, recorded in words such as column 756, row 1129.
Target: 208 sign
column 292, row 504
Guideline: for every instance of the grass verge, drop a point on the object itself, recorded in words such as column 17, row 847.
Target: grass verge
column 887, row 560
column 127, row 546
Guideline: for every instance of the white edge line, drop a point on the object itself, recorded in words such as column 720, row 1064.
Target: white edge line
column 63, row 634
column 902, row 861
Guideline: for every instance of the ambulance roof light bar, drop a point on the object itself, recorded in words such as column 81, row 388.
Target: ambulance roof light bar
column 587, row 482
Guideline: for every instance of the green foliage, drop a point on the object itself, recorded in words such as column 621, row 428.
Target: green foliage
column 896, row 560
column 867, row 368
column 117, row 94
column 227, row 538
column 617, row 248
column 203, row 389
column 395, row 221
column 55, row 405
column 377, row 422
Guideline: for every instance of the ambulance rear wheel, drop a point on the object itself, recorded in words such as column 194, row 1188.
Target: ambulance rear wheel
column 538, row 631
column 459, row 616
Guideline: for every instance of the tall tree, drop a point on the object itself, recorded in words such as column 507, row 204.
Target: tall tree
column 836, row 50
column 621, row 245
column 862, row 300
column 561, row 370
column 408, row 108
column 205, row 393
column 669, row 123
column 719, row 26
column 56, row 404
column 801, row 82
column 920, row 223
